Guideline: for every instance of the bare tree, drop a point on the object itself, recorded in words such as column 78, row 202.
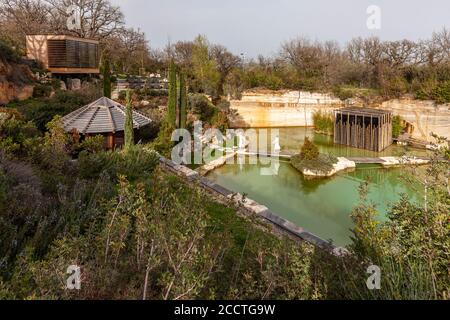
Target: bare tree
column 98, row 18
column 21, row 17
column 400, row 53
column 225, row 62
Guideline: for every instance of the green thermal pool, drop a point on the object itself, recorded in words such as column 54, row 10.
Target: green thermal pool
column 322, row 206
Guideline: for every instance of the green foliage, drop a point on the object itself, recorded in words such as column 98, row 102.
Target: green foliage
column 163, row 143
column 442, row 92
column 183, row 101
column 310, row 159
column 345, row 92
column 42, row 91
column 138, row 162
column 167, row 240
column 93, row 144
column 410, row 247
column 16, row 135
column 323, row 122
column 200, row 106
column 432, row 89
column 8, row 53
column 323, row 163
column 204, row 67
column 129, row 125
column 172, row 105
column 309, row 150
column 42, row 110
column 106, row 78
column 397, row 127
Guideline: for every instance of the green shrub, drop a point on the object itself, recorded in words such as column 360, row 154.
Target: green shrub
column 323, row 163
column 42, row 110
column 163, row 143
column 324, row 122
column 42, row 91
column 309, row 150
column 137, row 163
column 442, row 92
column 310, row 159
column 123, row 95
column 8, row 53
column 202, row 107
column 397, row 127
column 93, row 144
column 15, row 135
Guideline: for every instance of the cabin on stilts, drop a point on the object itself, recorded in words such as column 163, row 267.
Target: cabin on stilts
column 363, row 128
column 103, row 117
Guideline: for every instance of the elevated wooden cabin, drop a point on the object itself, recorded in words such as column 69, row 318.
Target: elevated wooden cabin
column 63, row 54
column 363, row 128
column 103, row 117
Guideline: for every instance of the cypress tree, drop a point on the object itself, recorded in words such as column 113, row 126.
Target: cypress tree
column 106, row 78
column 129, row 130
column 172, row 106
column 183, row 101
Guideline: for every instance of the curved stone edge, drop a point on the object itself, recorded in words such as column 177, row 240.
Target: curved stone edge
column 255, row 208
column 204, row 170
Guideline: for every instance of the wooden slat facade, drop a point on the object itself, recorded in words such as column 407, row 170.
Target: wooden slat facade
column 72, row 54
column 369, row 129
column 63, row 54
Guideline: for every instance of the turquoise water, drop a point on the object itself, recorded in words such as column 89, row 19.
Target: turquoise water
column 322, row 206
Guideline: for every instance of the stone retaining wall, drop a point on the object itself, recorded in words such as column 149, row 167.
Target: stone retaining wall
column 253, row 207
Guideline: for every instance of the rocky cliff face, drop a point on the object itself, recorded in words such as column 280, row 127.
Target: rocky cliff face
column 280, row 108
column 426, row 117
column 294, row 108
column 16, row 81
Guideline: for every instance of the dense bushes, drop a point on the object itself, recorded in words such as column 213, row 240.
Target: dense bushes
column 309, row 150
column 200, row 105
column 134, row 163
column 139, row 232
column 397, row 127
column 323, row 122
column 42, row 110
column 434, row 90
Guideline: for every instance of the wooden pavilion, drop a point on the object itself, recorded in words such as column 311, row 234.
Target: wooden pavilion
column 363, row 128
column 63, row 54
column 103, row 117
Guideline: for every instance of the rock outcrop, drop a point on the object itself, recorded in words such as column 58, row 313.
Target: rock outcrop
column 265, row 108
column 343, row 164
column 16, row 81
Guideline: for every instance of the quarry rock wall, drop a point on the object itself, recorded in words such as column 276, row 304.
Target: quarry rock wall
column 261, row 109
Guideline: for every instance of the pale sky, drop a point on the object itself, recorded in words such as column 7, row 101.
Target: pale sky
column 259, row 26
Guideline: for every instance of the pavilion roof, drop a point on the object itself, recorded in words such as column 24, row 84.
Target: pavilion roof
column 102, row 116
column 360, row 111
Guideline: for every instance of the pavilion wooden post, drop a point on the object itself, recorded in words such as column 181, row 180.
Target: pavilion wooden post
column 110, row 141
column 351, row 129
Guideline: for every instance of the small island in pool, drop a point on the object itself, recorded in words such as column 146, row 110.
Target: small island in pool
column 313, row 164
